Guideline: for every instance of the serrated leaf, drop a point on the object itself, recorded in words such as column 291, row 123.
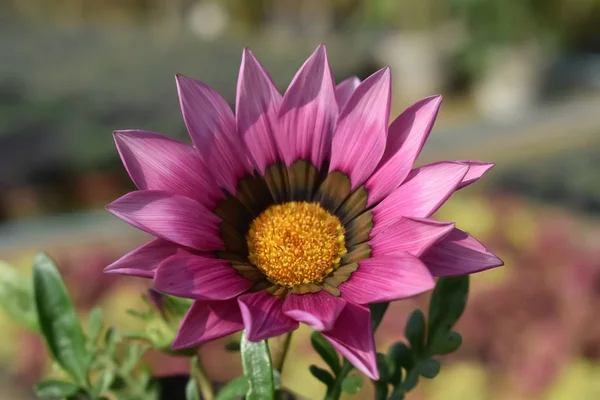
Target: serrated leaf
column 256, row 362
column 235, row 389
column 415, row 331
column 95, row 323
column 447, row 304
column 58, row 320
column 352, row 384
column 53, row 389
column 191, row 390
column 429, row 368
column 446, row 344
column 326, row 351
column 322, row 375
column 16, row 297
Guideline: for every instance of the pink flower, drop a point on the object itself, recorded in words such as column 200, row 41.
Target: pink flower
column 300, row 208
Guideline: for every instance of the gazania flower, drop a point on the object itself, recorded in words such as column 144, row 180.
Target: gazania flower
column 298, row 208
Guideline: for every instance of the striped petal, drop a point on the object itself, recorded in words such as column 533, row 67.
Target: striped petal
column 144, row 260
column 171, row 217
column 359, row 140
column 423, row 192
column 157, row 162
column 208, row 320
column 211, row 125
column 257, row 104
column 317, row 310
column 476, row 170
column 406, row 137
column 387, row 278
column 344, row 90
column 410, row 235
column 308, row 112
column 263, row 316
column 198, row 277
column 459, row 254
column 352, row 336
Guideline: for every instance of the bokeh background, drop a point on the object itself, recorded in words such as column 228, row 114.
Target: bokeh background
column 521, row 81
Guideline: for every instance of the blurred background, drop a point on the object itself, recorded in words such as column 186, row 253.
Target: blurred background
column 521, row 82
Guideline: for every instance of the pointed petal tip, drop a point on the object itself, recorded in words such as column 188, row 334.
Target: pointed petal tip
column 321, row 49
column 178, row 343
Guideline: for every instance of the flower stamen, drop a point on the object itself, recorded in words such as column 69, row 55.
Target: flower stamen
column 296, row 243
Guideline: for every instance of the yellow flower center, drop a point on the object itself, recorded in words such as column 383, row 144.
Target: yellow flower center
column 296, row 243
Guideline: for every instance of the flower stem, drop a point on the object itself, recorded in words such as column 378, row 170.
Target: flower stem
column 279, row 347
column 335, row 391
column 199, row 375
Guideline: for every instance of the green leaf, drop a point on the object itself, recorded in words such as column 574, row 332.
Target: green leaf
column 401, row 354
column 446, row 344
column 176, row 306
column 256, row 362
column 428, row 368
column 110, row 340
column 232, row 346
column 401, row 357
column 95, row 323
column 326, row 351
column 16, row 297
column 447, row 304
column 383, row 367
column 235, row 389
column 415, row 331
column 103, row 382
column 55, row 389
column 352, row 384
column 133, row 352
column 58, row 319
column 191, row 390
column 412, row 378
column 322, row 374
column 381, row 390
column 377, row 312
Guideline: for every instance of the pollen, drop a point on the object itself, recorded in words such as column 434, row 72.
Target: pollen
column 296, row 243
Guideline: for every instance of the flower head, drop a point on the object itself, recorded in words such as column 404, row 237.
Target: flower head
column 300, row 208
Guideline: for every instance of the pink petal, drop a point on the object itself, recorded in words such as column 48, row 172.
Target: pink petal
column 410, row 235
column 317, row 310
column 423, row 192
column 308, row 112
column 387, row 278
column 344, row 90
column 476, row 170
column 211, row 125
column 198, row 277
column 406, row 137
column 359, row 140
column 157, row 162
column 171, row 217
column 263, row 316
column 208, row 320
column 144, row 260
column 257, row 104
column 352, row 336
column 459, row 254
